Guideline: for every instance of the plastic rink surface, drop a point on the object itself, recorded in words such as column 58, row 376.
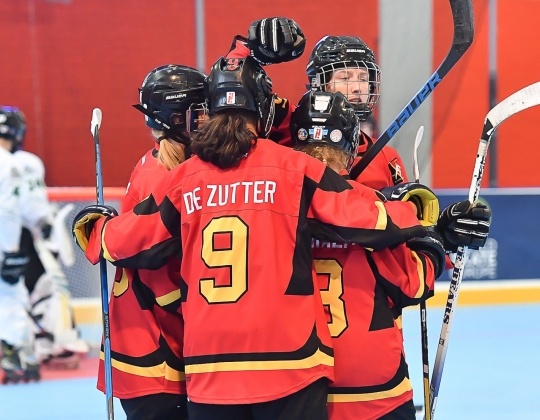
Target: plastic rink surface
column 490, row 371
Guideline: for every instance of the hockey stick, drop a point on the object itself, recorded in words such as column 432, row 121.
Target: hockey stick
column 423, row 309
column 94, row 129
column 517, row 102
column 462, row 13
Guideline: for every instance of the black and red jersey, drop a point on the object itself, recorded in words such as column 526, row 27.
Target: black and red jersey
column 145, row 323
column 255, row 328
column 360, row 290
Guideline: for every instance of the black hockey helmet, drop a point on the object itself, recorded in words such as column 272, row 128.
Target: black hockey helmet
column 12, row 126
column 241, row 83
column 327, row 118
column 344, row 52
column 167, row 95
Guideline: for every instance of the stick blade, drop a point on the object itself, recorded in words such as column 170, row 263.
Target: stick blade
column 462, row 12
column 519, row 101
column 96, row 120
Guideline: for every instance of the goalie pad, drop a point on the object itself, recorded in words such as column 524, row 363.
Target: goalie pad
column 60, row 240
column 425, row 200
column 51, row 310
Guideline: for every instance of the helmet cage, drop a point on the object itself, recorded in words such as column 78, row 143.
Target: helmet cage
column 344, row 52
column 365, row 107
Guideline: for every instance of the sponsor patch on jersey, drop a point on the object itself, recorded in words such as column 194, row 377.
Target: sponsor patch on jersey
column 302, row 134
column 396, row 171
column 336, row 136
column 231, row 98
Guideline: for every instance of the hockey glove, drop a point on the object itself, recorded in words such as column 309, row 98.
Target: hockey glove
column 275, row 40
column 84, row 222
column 425, row 200
column 461, row 224
column 432, row 246
column 13, row 266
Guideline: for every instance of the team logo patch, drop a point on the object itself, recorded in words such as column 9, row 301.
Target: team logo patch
column 231, row 98
column 336, row 136
column 396, row 171
column 302, row 134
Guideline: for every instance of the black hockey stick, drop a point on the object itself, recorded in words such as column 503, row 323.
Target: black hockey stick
column 517, row 102
column 423, row 307
column 462, row 13
column 94, row 129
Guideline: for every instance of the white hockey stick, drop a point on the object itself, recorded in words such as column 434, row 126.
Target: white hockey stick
column 517, row 102
column 94, row 129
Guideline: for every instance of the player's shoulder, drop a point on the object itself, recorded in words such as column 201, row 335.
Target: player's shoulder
column 29, row 161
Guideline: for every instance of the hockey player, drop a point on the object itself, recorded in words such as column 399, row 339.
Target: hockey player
column 17, row 360
column 43, row 239
column 241, row 213
column 145, row 318
column 361, row 290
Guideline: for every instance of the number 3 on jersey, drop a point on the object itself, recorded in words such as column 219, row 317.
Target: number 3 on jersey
column 225, row 244
column 332, row 296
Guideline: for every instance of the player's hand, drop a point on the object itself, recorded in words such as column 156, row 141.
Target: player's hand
column 425, row 200
column 13, row 266
column 462, row 224
column 84, row 222
column 432, row 246
column 275, row 40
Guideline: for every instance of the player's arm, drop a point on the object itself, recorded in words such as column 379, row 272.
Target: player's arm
column 343, row 213
column 408, row 271
column 13, row 261
column 142, row 238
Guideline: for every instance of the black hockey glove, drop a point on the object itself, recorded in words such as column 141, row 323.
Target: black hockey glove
column 275, row 40
column 425, row 200
column 461, row 224
column 13, row 266
column 432, row 246
column 84, row 222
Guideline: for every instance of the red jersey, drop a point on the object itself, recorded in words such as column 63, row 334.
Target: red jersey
column 385, row 170
column 146, row 327
column 360, row 290
column 244, row 234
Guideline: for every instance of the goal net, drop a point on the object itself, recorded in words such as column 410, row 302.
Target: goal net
column 83, row 277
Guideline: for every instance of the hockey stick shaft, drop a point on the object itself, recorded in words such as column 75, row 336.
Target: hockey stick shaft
column 519, row 101
column 423, row 307
column 462, row 13
column 95, row 124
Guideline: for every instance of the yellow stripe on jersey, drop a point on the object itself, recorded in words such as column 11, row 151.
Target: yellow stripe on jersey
column 106, row 253
column 400, row 389
column 318, row 358
column 169, row 298
column 157, row 371
column 382, row 218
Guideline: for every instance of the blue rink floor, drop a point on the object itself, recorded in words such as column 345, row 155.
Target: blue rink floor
column 491, row 371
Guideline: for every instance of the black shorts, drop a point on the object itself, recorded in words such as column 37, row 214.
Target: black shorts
column 156, row 407
column 307, row 404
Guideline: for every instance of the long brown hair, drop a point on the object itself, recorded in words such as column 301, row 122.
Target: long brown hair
column 225, row 138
